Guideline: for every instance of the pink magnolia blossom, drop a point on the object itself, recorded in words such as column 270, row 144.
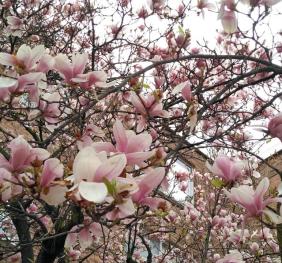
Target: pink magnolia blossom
column 148, row 105
column 22, row 155
column 70, row 70
column 52, row 169
column 135, row 147
column 91, row 168
column 84, row 236
column 14, row 22
column 26, row 59
column 275, row 126
column 252, row 201
column 73, row 72
column 226, row 169
column 25, row 83
column 185, row 90
column 93, row 78
column 55, row 195
column 227, row 16
column 15, row 26
column 49, row 106
column 147, row 184
column 122, row 210
column 85, row 139
column 229, row 21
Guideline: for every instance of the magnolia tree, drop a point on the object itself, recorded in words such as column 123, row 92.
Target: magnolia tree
column 99, row 99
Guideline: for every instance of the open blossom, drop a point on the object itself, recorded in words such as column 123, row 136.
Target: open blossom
column 91, row 168
column 146, row 185
column 70, row 70
column 135, row 147
column 14, row 22
column 226, row 169
column 15, row 26
column 148, row 105
column 52, row 169
column 84, row 235
column 22, row 155
column 28, row 60
column 49, row 106
column 185, row 90
column 252, row 200
column 275, row 127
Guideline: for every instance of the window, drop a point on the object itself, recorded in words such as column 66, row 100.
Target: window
column 181, row 182
column 155, row 246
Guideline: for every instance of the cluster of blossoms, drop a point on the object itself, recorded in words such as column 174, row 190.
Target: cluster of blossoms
column 90, row 168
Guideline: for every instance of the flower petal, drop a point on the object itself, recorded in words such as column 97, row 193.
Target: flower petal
column 120, row 136
column 93, row 192
column 7, row 82
column 7, row 59
column 55, row 195
column 111, row 168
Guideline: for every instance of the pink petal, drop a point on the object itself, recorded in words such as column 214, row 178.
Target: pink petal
column 229, row 21
column 96, row 229
column 136, row 102
column 52, row 169
column 55, row 196
column 85, row 164
column 85, row 238
column 187, row 93
column 262, row 188
column 127, row 208
column 39, row 154
column 148, row 183
column 36, row 53
column 138, row 157
column 96, row 76
column 71, row 237
column 4, row 175
column 103, row 146
column 139, row 143
column 29, row 78
column 178, row 88
column 4, row 163
column 79, row 61
column 120, row 136
column 20, row 152
column 63, row 65
column 46, row 63
column 7, row 59
column 24, row 54
column 111, row 169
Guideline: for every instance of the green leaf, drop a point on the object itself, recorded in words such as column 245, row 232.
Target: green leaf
column 146, row 86
column 111, row 186
column 217, row 183
column 181, row 30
